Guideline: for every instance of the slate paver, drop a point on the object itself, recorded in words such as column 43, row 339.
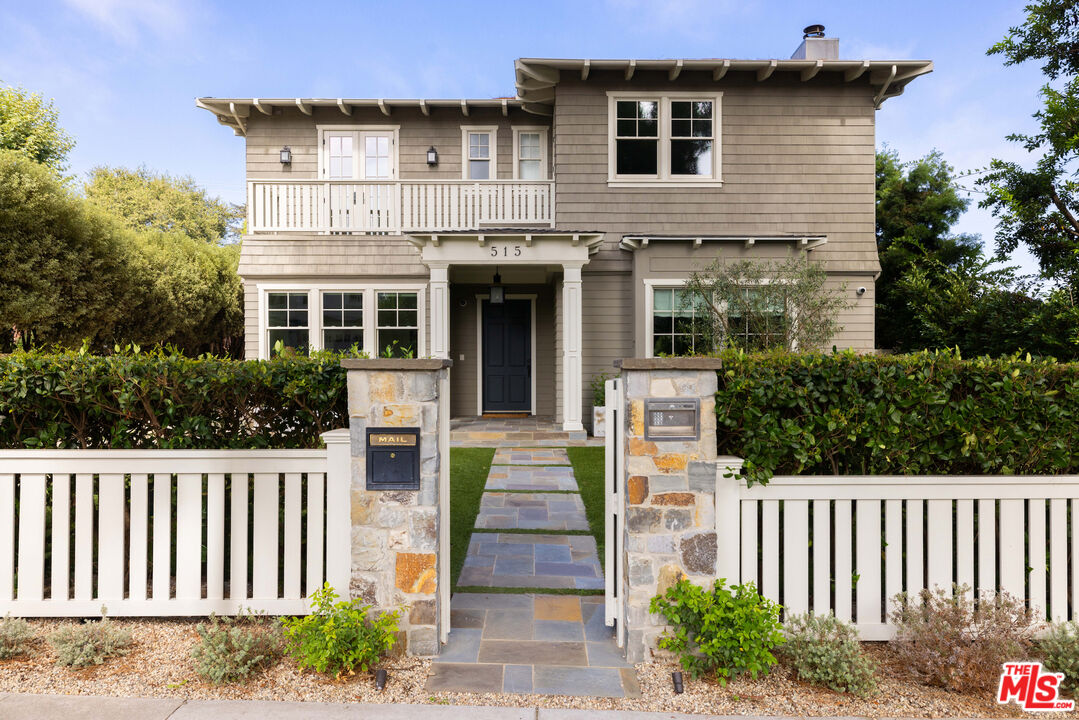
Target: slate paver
column 531, row 511
column 530, row 456
column 465, row 677
column 544, row 478
column 593, row 682
column 517, row 560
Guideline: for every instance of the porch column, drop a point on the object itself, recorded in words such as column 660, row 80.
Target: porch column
column 571, row 344
column 440, row 310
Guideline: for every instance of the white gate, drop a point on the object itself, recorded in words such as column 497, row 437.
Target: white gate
column 614, row 480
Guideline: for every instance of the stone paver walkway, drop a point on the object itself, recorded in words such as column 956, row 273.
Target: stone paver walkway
column 531, row 511
column 530, row 456
column 537, row 478
column 531, row 643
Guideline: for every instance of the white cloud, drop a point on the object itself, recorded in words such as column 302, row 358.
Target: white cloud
column 128, row 20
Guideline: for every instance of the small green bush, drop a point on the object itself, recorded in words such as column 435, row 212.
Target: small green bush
column 16, row 635
column 599, row 388
column 90, row 643
column 233, row 649
column 825, row 651
column 728, row 631
column 1060, row 652
column 339, row 637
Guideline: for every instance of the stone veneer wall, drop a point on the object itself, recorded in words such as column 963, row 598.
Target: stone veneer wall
column 670, row 493
column 395, row 533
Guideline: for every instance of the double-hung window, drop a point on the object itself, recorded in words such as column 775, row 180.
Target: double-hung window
column 679, row 320
column 668, row 140
column 479, row 152
column 342, row 321
column 529, row 153
column 398, row 324
column 287, row 321
column 682, row 323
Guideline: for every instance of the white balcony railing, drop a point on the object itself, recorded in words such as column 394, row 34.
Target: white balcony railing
column 390, row 207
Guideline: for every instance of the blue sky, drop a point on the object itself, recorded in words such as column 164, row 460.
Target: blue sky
column 124, row 73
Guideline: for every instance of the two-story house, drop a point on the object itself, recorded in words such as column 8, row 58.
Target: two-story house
column 535, row 239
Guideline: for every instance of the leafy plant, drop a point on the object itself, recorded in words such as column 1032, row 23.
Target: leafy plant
column 728, row 631
column 339, row 637
column 16, row 635
column 1060, row 651
column 91, row 643
column 397, row 350
column 234, row 649
column 825, row 651
column 945, row 640
column 599, row 388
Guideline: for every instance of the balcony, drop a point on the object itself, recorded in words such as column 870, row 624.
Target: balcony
column 394, row 207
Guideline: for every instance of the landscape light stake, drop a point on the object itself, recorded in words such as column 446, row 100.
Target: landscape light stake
column 676, row 677
column 380, row 679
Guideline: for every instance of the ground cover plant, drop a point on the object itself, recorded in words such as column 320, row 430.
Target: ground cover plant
column 234, row 649
column 1059, row 650
column 89, row 643
column 825, row 651
column 16, row 637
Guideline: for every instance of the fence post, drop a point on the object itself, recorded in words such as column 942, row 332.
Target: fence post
column 728, row 511
column 338, row 511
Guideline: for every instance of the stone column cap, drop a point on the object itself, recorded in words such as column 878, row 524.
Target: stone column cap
column 670, row 363
column 396, row 363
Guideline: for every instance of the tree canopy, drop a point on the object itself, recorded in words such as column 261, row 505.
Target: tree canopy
column 31, row 125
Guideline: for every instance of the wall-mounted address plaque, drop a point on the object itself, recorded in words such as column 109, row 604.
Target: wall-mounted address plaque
column 672, row 419
column 393, row 458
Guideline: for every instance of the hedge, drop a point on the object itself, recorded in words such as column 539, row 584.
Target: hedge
column 920, row 414
column 165, row 400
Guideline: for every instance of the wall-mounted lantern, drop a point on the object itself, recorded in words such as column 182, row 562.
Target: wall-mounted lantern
column 286, row 155
column 432, row 156
column 498, row 295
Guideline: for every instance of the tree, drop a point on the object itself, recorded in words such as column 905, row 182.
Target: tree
column 1039, row 207
column 31, row 125
column 145, row 200
column 763, row 305
column 917, row 205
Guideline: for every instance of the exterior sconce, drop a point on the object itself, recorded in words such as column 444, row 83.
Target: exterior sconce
column 286, row 155
column 432, row 156
column 498, row 295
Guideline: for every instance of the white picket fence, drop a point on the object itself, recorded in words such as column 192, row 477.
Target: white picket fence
column 172, row 532
column 849, row 544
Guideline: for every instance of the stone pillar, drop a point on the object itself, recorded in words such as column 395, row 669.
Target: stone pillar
column 396, row 534
column 670, row 492
column 571, row 348
column 440, row 311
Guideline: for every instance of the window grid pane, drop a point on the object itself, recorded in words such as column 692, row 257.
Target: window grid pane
column 286, row 321
column 342, row 321
column 398, row 324
column 677, row 323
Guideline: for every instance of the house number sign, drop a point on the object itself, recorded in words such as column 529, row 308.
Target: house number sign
column 505, row 251
column 672, row 419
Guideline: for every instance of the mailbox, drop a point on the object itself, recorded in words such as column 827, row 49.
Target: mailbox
column 393, row 458
column 672, row 419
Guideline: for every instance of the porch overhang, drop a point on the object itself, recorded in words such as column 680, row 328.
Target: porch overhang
column 507, row 246
column 802, row 242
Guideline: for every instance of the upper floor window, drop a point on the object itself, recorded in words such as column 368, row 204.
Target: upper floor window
column 530, row 153
column 667, row 140
column 357, row 152
column 479, row 152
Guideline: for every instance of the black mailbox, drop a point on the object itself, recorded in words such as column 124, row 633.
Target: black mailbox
column 393, row 458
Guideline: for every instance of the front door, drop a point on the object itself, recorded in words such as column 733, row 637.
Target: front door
column 507, row 356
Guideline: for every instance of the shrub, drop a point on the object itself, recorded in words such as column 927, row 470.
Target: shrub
column 599, row 388
column 1060, row 652
column 90, row 643
column 825, row 651
column 16, row 635
column 945, row 640
column 234, row 649
column 162, row 399
column 339, row 637
column 728, row 631
column 921, row 414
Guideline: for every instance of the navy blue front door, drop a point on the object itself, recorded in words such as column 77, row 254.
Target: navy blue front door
column 507, row 356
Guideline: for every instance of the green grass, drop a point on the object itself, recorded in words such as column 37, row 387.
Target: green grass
column 468, row 475
column 588, row 467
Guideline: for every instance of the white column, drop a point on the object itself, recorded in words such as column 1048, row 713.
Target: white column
column 571, row 348
column 440, row 311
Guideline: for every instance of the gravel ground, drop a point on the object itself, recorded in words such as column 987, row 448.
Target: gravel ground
column 160, row 665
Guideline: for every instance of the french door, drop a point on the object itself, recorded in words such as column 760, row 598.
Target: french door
column 359, row 155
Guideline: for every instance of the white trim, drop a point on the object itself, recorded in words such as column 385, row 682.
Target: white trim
column 663, row 178
column 542, row 131
column 480, row 297
column 314, row 309
column 357, row 151
column 491, row 130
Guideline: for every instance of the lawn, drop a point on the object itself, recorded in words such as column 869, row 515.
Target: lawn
column 588, row 468
column 468, row 475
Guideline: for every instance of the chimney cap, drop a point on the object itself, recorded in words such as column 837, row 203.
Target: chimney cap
column 812, row 31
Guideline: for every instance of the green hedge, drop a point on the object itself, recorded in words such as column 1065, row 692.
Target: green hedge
column 921, row 414
column 165, row 400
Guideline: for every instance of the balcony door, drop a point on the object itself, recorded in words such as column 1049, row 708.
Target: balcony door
column 363, row 155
